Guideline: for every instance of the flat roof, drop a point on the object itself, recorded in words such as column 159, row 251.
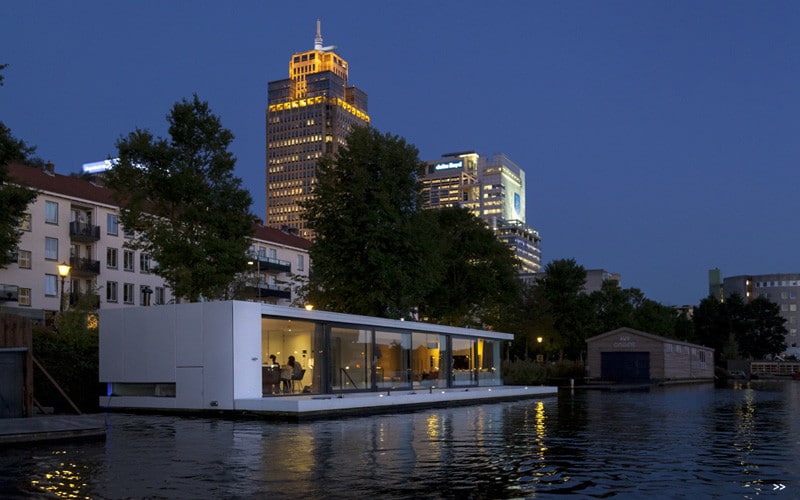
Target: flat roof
column 371, row 321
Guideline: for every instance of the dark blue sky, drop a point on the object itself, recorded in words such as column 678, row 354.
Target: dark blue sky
column 660, row 139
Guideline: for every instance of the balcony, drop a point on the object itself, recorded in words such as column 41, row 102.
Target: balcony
column 83, row 232
column 264, row 263
column 84, row 266
column 9, row 293
column 264, row 291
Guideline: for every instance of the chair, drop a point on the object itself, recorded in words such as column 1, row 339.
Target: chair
column 298, row 379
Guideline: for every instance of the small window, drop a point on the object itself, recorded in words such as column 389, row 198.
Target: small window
column 128, row 263
column 159, row 295
column 50, row 285
column 144, row 263
column 51, row 248
column 24, row 297
column 301, row 266
column 51, row 212
column 25, row 222
column 24, row 259
column 111, row 258
column 127, row 293
column 127, row 234
column 111, row 291
column 112, row 224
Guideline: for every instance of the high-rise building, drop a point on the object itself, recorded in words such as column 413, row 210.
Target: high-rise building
column 491, row 188
column 780, row 288
column 309, row 115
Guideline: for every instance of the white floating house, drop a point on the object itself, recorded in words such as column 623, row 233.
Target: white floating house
column 217, row 356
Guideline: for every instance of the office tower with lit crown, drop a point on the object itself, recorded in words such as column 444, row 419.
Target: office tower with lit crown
column 491, row 188
column 309, row 115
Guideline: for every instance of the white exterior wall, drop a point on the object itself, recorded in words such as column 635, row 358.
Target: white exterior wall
column 34, row 241
column 211, row 351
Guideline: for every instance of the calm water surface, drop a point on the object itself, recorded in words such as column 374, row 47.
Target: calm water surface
column 694, row 441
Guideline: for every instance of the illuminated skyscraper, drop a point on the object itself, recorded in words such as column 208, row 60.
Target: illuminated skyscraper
column 309, row 115
column 491, row 188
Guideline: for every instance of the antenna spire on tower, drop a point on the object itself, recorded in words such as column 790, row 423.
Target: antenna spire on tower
column 318, row 38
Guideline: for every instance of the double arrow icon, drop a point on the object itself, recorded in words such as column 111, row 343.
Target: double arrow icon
column 778, row 486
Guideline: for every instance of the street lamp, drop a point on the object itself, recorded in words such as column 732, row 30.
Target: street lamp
column 63, row 271
column 540, row 355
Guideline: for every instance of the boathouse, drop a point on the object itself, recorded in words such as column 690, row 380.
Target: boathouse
column 218, row 356
column 628, row 355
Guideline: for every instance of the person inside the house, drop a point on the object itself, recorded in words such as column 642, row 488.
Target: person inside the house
column 291, row 371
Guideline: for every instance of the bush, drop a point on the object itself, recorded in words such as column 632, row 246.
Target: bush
column 70, row 356
column 524, row 372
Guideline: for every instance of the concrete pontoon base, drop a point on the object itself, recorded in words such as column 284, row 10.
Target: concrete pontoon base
column 51, row 428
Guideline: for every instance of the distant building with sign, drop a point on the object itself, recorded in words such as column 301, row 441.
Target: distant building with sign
column 309, row 115
column 628, row 355
column 492, row 188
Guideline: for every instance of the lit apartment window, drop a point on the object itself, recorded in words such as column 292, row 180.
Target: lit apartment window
column 25, row 222
column 159, row 298
column 51, row 248
column 111, row 291
column 50, row 285
column 128, row 260
column 51, row 212
column 112, row 224
column 24, row 259
column 24, row 297
column 111, row 258
column 127, row 293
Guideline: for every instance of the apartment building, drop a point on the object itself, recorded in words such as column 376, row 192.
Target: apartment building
column 75, row 222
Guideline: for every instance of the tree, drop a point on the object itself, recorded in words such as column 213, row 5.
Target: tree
column 367, row 255
column 476, row 272
column 13, row 198
column 765, row 333
column 189, row 212
column 562, row 288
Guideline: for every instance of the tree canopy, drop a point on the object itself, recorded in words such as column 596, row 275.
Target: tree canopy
column 13, row 198
column 189, row 212
column 365, row 257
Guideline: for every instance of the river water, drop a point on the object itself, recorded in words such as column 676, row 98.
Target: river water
column 741, row 441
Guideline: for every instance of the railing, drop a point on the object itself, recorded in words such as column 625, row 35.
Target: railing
column 272, row 291
column 81, row 231
column 264, row 263
column 84, row 266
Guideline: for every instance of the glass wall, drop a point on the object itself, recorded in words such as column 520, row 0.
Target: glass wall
column 392, row 360
column 350, row 348
column 285, row 338
column 427, row 354
column 489, row 362
column 337, row 358
column 463, row 362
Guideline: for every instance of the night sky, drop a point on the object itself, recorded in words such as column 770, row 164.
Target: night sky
column 659, row 139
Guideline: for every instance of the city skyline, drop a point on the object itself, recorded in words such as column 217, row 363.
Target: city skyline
column 658, row 139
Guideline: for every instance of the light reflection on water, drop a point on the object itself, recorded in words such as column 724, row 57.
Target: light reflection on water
column 670, row 442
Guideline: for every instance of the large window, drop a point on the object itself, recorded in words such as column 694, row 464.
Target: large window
column 392, row 359
column 463, row 362
column 427, row 352
column 488, row 362
column 127, row 293
column 350, row 350
column 283, row 338
column 51, row 248
column 51, row 212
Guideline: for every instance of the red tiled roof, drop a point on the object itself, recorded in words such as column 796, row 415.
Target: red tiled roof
column 281, row 237
column 38, row 179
